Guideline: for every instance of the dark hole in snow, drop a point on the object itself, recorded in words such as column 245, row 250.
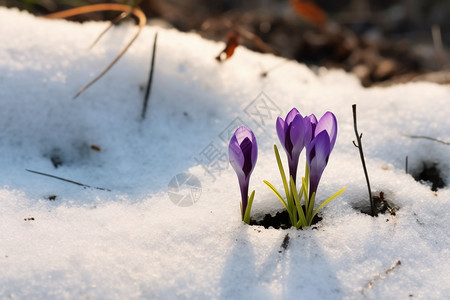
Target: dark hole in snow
column 52, row 197
column 430, row 175
column 56, row 161
column 382, row 205
column 75, row 153
column 56, row 157
column 280, row 220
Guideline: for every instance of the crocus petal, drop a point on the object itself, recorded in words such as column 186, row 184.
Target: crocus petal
column 291, row 115
column 254, row 154
column 251, row 148
column 241, row 133
column 246, row 147
column 313, row 120
column 301, row 134
column 328, row 122
column 236, row 157
column 317, row 155
column 297, row 132
column 281, row 130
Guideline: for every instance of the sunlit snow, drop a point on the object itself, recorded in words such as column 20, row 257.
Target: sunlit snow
column 61, row 241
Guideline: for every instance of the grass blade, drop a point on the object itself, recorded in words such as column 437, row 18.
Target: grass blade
column 326, row 202
column 301, row 215
column 274, row 190
column 283, row 175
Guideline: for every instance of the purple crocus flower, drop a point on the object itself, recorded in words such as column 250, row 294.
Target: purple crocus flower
column 295, row 133
column 243, row 153
column 318, row 151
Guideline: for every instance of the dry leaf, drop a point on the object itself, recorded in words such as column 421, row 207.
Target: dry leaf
column 310, row 11
column 232, row 43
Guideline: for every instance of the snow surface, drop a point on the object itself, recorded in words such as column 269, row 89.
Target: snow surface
column 134, row 242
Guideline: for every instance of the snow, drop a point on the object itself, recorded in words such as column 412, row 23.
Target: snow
column 132, row 242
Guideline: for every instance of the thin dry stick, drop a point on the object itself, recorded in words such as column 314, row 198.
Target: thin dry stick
column 67, row 180
column 361, row 154
column 150, row 78
column 429, row 138
column 257, row 41
column 406, row 164
column 438, row 45
column 101, row 7
column 380, row 276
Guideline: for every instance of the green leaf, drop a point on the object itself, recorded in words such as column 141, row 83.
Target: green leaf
column 301, row 215
column 276, row 193
column 309, row 215
column 291, row 204
column 305, row 190
column 249, row 208
column 307, row 173
column 328, row 200
column 283, row 175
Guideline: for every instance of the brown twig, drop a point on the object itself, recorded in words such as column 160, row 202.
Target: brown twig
column 257, row 41
column 428, row 138
column 439, row 46
column 361, row 154
column 101, row 7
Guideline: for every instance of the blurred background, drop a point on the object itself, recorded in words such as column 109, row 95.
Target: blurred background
column 382, row 42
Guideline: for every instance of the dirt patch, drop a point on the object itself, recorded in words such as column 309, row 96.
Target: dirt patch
column 279, row 221
column 430, row 175
column 382, row 205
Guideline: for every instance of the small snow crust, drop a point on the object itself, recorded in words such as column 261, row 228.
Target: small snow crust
column 170, row 225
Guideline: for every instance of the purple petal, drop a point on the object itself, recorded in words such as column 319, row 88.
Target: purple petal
column 246, row 147
column 328, row 122
column 291, row 115
column 241, row 133
column 317, row 156
column 236, row 157
column 300, row 134
column 254, row 154
column 312, row 118
column 322, row 147
column 281, row 130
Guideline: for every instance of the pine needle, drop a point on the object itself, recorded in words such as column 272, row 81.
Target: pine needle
column 113, row 22
column 68, row 180
column 102, row 7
